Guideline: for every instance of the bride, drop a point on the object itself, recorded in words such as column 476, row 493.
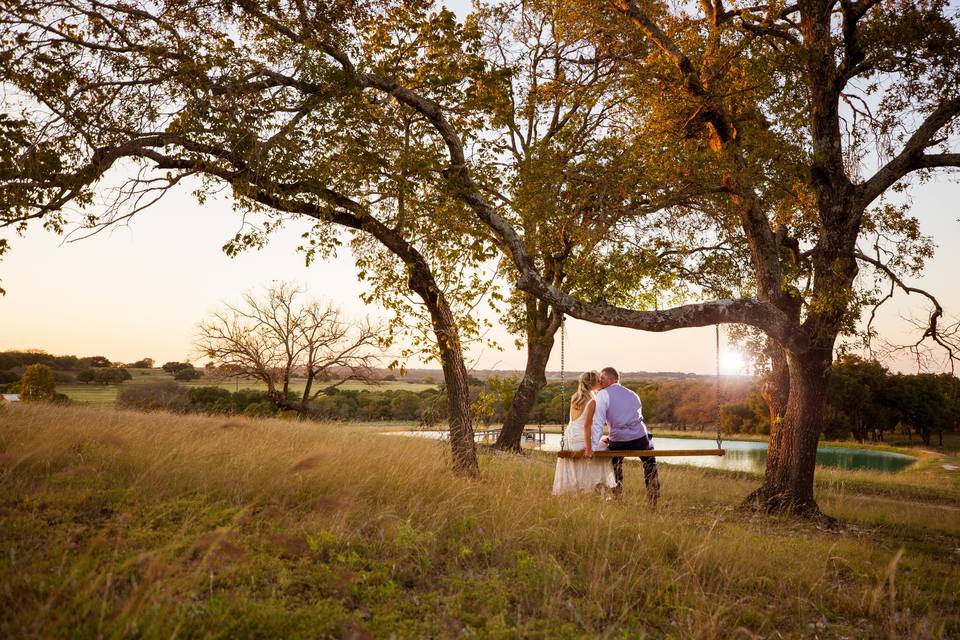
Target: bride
column 583, row 474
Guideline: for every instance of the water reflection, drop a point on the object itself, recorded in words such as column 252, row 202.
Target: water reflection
column 742, row 455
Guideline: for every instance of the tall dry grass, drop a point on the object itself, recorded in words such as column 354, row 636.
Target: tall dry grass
column 119, row 524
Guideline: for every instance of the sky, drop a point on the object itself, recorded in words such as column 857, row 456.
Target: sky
column 139, row 290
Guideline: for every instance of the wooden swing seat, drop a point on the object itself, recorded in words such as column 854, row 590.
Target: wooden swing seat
column 646, row 453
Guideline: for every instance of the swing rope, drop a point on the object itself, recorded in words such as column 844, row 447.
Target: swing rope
column 717, row 351
column 563, row 393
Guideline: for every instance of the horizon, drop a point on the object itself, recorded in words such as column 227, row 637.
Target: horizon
column 125, row 363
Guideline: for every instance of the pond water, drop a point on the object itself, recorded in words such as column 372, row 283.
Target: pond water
column 741, row 455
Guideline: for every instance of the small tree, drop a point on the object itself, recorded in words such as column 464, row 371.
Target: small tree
column 173, row 367
column 163, row 395
column 187, row 374
column 270, row 338
column 37, row 383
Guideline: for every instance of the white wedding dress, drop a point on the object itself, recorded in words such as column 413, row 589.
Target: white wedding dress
column 581, row 474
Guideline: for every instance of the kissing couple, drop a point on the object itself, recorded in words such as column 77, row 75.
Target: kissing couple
column 601, row 401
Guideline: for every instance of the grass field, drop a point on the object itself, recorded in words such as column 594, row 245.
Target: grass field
column 117, row 524
column 106, row 395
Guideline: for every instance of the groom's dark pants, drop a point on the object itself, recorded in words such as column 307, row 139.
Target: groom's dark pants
column 650, row 475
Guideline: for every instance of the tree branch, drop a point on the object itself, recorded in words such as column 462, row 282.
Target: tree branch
column 763, row 315
column 932, row 330
column 912, row 157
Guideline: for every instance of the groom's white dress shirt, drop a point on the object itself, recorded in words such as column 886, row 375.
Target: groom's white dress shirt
column 622, row 410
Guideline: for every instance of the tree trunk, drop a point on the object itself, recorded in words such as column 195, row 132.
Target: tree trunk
column 305, row 398
column 421, row 281
column 791, row 458
column 539, row 346
column 462, row 445
column 775, row 390
column 307, row 387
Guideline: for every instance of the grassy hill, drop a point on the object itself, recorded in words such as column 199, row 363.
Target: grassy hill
column 118, row 524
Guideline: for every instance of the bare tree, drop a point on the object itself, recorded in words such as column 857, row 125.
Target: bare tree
column 273, row 337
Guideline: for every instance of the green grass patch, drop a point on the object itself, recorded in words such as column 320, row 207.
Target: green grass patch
column 120, row 524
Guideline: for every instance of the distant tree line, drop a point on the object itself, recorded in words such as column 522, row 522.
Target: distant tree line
column 71, row 369
column 168, row 395
column 13, row 364
column 103, row 376
column 23, row 359
column 426, row 407
column 865, row 400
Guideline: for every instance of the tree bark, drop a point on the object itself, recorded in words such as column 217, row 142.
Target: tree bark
column 305, row 397
column 775, row 389
column 540, row 341
column 462, row 445
column 791, row 457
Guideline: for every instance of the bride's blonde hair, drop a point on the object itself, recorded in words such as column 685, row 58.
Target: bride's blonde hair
column 582, row 395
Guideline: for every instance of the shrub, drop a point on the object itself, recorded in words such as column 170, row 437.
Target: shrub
column 111, row 375
column 164, row 395
column 245, row 397
column 210, row 400
column 6, row 377
column 404, row 406
column 37, row 383
column 188, row 373
column 85, row 375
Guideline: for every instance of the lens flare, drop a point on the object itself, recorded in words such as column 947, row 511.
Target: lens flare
column 733, row 363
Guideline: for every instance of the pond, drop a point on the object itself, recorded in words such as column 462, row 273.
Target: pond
column 742, row 455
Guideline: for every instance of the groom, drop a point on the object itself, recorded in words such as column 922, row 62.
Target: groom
column 620, row 408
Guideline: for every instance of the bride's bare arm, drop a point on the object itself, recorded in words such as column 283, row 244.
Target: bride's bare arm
column 588, row 428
